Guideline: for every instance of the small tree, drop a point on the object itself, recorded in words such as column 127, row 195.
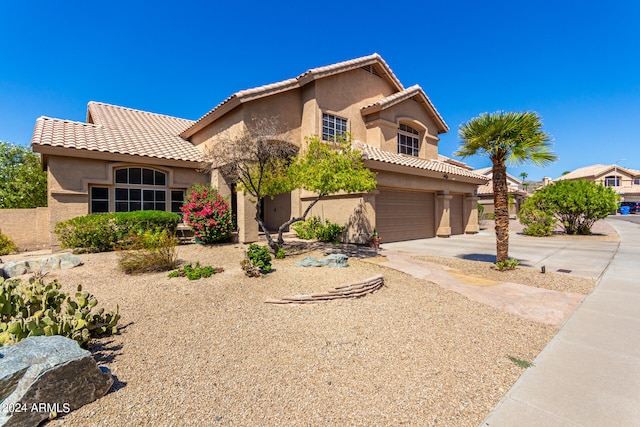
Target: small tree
column 23, row 183
column 258, row 160
column 505, row 137
column 577, row 204
column 327, row 168
column 264, row 164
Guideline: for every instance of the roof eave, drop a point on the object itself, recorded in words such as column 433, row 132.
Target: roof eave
column 394, row 167
column 49, row 150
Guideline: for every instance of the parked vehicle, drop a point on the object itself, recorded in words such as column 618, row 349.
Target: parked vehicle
column 634, row 207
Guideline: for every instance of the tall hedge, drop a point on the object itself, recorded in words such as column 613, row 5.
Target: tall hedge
column 106, row 231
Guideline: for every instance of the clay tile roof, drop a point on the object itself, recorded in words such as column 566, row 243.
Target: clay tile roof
column 584, row 172
column 377, row 154
column 118, row 130
column 299, row 81
column 115, row 117
column 486, row 188
column 595, row 170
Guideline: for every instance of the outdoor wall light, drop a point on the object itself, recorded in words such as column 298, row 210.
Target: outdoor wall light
column 446, row 176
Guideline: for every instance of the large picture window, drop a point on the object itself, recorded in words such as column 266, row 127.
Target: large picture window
column 333, row 127
column 136, row 189
column 408, row 142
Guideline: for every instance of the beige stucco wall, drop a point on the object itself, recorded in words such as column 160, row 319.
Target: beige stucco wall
column 27, row 228
column 345, row 94
column 300, row 111
column 355, row 212
column 69, row 179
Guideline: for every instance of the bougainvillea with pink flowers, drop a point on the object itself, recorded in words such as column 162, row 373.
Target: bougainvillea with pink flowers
column 208, row 214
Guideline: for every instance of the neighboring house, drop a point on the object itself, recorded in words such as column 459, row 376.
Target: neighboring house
column 516, row 192
column 124, row 159
column 625, row 181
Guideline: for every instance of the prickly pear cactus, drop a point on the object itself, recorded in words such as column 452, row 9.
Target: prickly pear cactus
column 35, row 308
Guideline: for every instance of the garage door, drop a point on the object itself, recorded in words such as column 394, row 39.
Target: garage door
column 404, row 215
column 456, row 211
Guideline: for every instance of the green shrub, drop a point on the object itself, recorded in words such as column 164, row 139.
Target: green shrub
column 509, row 264
column 258, row 260
column 108, row 231
column 537, row 222
column 35, row 308
column 307, row 229
column 6, row 244
column 576, row 204
column 314, row 228
column 196, row 272
column 152, row 252
column 280, row 254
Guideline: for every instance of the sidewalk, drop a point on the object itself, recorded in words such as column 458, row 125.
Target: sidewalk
column 589, row 374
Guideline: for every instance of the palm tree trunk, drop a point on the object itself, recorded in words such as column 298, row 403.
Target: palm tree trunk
column 501, row 210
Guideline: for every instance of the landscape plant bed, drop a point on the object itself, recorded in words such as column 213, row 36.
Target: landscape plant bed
column 411, row 353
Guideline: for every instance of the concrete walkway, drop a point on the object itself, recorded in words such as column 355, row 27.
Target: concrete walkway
column 589, row 374
column 540, row 305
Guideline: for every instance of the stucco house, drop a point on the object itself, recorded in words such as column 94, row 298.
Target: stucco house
column 514, row 186
column 625, row 181
column 123, row 159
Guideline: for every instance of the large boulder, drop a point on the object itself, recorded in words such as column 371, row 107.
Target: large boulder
column 41, row 265
column 42, row 375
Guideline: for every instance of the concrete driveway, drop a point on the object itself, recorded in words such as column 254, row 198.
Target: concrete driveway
column 581, row 256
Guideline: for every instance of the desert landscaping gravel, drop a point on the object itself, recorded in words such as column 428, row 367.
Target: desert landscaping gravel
column 211, row 352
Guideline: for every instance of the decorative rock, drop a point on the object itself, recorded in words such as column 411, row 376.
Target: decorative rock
column 332, row 260
column 41, row 265
column 353, row 290
column 41, row 375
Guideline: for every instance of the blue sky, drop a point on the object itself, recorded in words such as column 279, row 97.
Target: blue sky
column 577, row 63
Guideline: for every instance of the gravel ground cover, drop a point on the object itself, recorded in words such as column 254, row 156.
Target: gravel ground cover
column 211, row 352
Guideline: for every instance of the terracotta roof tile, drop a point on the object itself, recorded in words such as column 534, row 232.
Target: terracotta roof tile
column 595, row 170
column 116, row 117
column 584, row 172
column 374, row 153
column 299, row 81
column 119, row 130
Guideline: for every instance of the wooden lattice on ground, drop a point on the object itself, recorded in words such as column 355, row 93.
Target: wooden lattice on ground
column 354, row 290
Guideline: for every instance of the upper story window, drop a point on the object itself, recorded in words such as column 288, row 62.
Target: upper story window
column 408, row 141
column 636, row 181
column 612, row 181
column 332, row 127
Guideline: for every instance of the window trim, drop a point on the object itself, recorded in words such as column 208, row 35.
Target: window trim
column 337, row 133
column 609, row 178
column 161, row 183
column 92, row 199
column 411, row 137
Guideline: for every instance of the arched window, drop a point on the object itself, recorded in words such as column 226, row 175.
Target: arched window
column 135, row 189
column 408, row 141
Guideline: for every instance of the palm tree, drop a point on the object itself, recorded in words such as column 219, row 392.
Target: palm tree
column 505, row 137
